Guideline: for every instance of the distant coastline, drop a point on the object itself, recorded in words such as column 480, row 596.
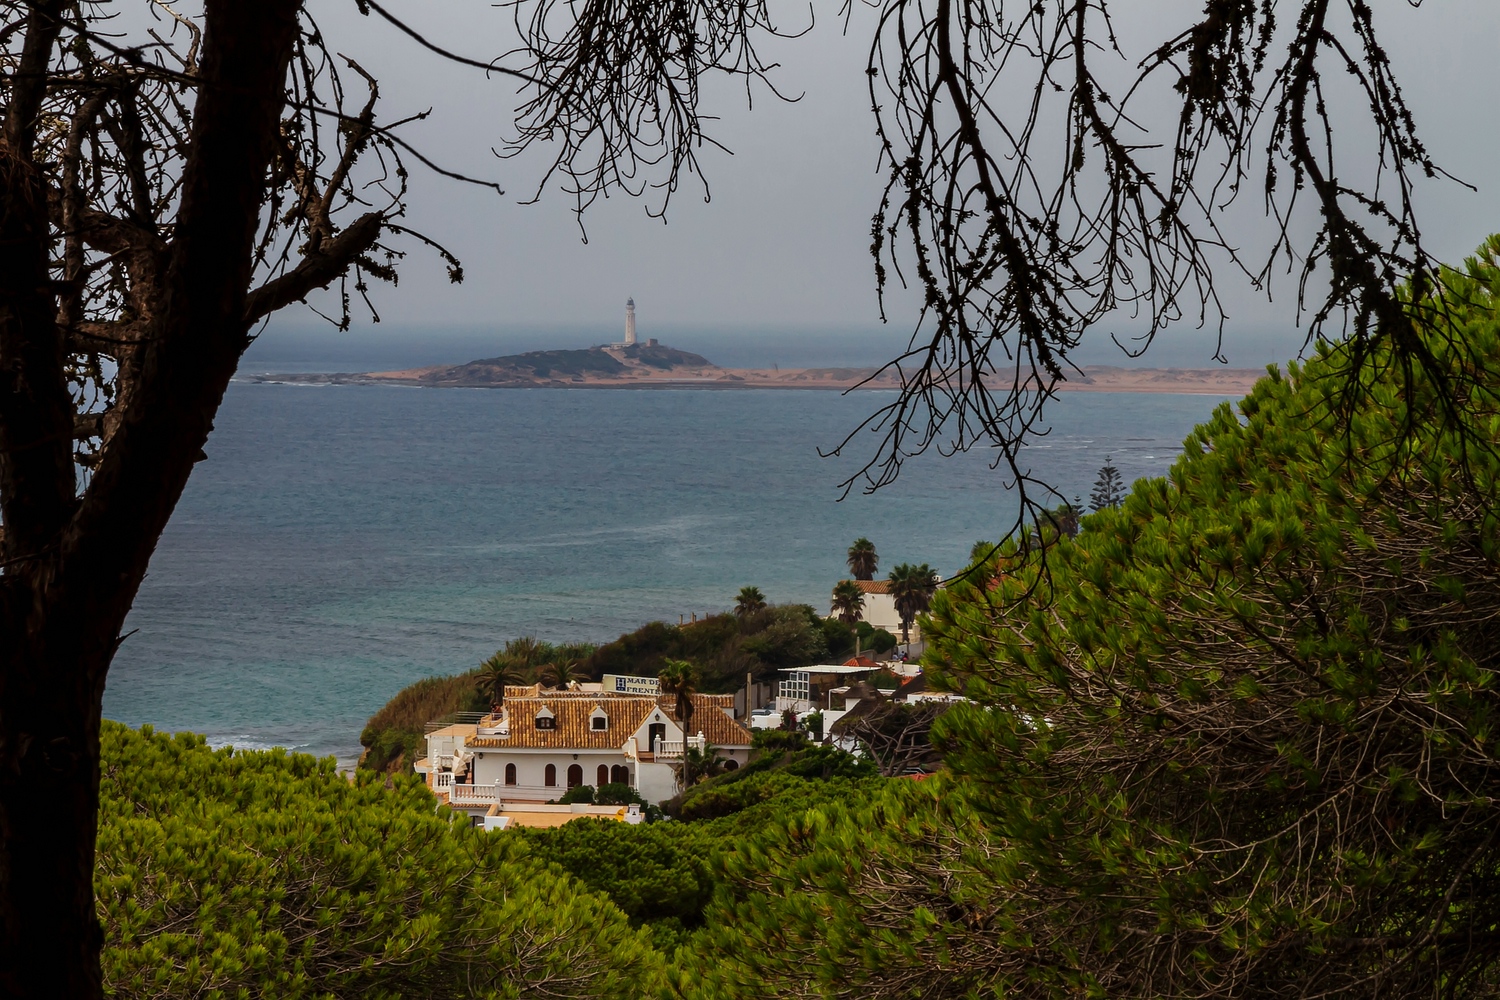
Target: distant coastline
column 653, row 366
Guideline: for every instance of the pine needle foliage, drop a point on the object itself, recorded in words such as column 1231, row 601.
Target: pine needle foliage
column 1245, row 748
column 234, row 874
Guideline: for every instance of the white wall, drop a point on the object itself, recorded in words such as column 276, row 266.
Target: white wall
column 656, row 782
column 880, row 612
column 531, row 767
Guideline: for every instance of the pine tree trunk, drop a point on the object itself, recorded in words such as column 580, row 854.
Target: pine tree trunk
column 70, row 567
column 49, row 794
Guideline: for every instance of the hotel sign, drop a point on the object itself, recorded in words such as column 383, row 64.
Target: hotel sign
column 622, row 684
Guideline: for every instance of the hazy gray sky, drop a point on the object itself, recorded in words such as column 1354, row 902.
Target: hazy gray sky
column 782, row 244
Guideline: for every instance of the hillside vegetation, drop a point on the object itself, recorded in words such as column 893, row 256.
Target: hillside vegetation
column 726, row 647
column 395, row 736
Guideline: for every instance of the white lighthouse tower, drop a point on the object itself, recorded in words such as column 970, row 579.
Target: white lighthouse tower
column 630, row 322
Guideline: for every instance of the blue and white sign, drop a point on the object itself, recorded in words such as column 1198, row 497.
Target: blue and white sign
column 624, row 684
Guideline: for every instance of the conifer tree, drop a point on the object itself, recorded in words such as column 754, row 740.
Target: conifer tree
column 1109, row 488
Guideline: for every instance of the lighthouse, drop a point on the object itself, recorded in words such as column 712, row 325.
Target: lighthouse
column 630, row 322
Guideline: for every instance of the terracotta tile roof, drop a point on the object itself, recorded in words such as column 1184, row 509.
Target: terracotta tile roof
column 626, row 714
column 711, row 719
column 535, row 690
column 571, row 714
column 873, row 586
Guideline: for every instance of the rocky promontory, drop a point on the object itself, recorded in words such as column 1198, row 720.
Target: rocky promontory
column 652, row 365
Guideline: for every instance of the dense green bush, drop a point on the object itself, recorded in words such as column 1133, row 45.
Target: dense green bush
column 725, row 647
column 783, row 762
column 652, row 871
column 617, row 793
column 874, row 639
column 270, row 875
column 578, row 793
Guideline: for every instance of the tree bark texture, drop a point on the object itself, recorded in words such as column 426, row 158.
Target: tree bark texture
column 72, row 565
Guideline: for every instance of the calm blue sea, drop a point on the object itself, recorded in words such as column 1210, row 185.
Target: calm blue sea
column 341, row 542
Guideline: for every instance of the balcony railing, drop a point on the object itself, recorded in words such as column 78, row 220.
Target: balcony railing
column 473, row 795
column 673, row 749
column 455, row 718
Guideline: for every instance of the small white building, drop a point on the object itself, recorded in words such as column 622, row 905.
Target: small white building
column 880, row 608
column 540, row 744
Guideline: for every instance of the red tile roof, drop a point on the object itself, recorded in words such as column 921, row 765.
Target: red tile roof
column 572, row 711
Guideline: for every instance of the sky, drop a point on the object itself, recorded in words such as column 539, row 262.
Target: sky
column 774, row 267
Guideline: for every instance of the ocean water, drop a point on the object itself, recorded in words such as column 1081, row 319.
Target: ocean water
column 342, row 541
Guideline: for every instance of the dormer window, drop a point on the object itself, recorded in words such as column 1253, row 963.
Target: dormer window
column 598, row 721
column 545, row 719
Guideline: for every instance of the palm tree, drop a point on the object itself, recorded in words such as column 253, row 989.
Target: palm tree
column 848, row 601
column 526, row 650
column 863, row 562
column 496, row 674
column 558, row 673
column 699, row 764
column 680, row 678
column 912, row 588
column 749, row 601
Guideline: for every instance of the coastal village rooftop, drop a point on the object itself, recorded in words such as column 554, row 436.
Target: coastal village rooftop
column 538, row 744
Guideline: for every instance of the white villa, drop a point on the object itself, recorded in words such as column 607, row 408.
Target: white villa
column 540, row 744
column 880, row 608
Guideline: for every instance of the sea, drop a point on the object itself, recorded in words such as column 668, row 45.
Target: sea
column 341, row 542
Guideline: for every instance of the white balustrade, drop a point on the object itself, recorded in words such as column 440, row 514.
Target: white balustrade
column 673, row 749
column 442, row 780
column 473, row 795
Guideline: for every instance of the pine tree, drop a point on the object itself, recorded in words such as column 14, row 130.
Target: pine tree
column 1109, row 488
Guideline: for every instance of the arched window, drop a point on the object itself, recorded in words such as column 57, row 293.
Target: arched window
column 551, row 776
column 731, row 765
column 603, row 775
column 510, row 774
column 575, row 776
column 620, row 774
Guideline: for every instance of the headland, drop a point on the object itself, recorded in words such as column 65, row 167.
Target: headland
column 655, row 366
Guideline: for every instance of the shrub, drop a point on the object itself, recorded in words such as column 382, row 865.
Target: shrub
column 617, row 794
column 578, row 793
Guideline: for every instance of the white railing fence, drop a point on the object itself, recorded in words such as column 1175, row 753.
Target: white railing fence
column 671, row 749
column 473, row 795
